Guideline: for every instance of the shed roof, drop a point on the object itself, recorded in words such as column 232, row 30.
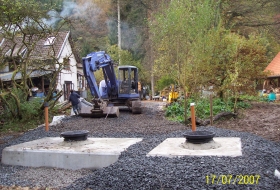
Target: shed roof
column 274, row 66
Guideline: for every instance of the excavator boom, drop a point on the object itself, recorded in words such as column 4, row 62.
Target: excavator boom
column 120, row 92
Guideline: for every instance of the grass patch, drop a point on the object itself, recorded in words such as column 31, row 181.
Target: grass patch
column 19, row 126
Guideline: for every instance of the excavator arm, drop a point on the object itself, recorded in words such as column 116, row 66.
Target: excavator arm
column 93, row 62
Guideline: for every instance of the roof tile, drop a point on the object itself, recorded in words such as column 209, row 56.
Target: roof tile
column 40, row 51
column 274, row 66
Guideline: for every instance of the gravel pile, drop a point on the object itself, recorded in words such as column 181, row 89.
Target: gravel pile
column 134, row 170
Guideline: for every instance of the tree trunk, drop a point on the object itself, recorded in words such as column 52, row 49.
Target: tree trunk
column 19, row 115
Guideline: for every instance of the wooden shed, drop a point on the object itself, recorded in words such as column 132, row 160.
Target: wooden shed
column 273, row 80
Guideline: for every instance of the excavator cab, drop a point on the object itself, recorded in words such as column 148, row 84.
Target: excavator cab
column 128, row 81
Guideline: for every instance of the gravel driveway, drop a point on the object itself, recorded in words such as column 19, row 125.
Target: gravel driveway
column 134, row 170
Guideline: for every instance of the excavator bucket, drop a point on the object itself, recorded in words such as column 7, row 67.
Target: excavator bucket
column 86, row 110
column 136, row 107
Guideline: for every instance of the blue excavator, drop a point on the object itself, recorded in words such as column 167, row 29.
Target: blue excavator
column 112, row 92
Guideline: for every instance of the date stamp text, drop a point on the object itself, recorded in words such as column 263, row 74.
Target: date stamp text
column 232, row 179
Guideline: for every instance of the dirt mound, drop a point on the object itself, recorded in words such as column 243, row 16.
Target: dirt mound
column 261, row 119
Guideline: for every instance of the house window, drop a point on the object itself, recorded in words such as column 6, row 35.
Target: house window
column 49, row 41
column 66, row 63
column 22, row 53
column 8, row 53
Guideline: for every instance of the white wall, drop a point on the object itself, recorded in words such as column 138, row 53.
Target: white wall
column 67, row 75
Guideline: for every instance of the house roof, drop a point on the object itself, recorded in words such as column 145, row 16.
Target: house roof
column 46, row 47
column 8, row 76
column 274, row 66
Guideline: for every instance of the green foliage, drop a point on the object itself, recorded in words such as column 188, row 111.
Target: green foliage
column 51, row 4
column 254, row 16
column 20, row 114
column 202, row 107
column 243, row 104
column 176, row 112
column 22, row 23
column 19, row 126
column 179, row 36
column 21, row 96
column 164, row 81
column 247, row 97
column 31, row 110
column 193, row 46
column 126, row 58
column 15, row 13
column 133, row 26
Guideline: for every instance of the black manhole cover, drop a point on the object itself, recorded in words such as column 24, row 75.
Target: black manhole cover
column 199, row 137
column 78, row 135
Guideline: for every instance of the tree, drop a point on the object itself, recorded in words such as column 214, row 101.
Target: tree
column 254, row 16
column 247, row 60
column 194, row 48
column 22, row 24
column 127, row 59
column 175, row 32
column 133, row 24
column 163, row 82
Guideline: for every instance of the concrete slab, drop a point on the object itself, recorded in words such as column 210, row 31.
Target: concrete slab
column 172, row 147
column 93, row 153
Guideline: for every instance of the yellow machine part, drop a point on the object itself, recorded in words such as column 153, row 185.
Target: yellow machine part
column 173, row 96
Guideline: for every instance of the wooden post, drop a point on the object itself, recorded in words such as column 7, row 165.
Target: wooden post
column 46, row 109
column 193, row 117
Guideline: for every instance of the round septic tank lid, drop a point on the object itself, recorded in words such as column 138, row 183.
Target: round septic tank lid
column 199, row 137
column 78, row 135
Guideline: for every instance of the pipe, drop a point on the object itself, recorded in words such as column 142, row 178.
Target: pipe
column 193, row 117
column 46, row 109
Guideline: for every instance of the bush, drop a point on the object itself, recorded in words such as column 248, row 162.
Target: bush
column 31, row 117
column 20, row 114
column 175, row 111
column 31, row 110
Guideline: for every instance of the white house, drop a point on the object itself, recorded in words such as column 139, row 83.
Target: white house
column 58, row 47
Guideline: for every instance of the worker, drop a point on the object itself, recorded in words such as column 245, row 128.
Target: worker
column 74, row 99
column 271, row 96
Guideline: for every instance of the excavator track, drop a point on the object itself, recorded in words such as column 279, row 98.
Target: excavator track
column 136, row 107
column 87, row 110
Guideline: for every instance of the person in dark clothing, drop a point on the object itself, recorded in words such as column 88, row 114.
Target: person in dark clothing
column 74, row 99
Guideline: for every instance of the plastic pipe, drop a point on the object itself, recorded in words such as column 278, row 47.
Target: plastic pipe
column 46, row 109
column 193, row 117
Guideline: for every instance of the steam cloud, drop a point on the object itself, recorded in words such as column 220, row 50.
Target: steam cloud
column 130, row 37
column 87, row 11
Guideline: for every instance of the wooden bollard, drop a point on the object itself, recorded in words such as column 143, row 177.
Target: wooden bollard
column 46, row 110
column 193, row 117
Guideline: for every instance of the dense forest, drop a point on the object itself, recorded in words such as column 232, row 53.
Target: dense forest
column 93, row 25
